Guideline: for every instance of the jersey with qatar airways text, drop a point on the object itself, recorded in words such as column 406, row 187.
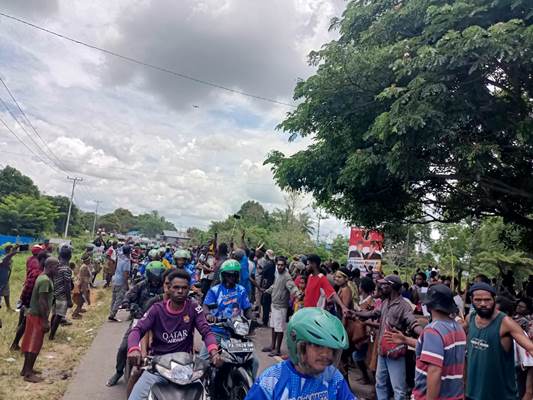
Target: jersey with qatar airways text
column 283, row 382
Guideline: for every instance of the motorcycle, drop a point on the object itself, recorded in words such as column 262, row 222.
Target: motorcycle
column 184, row 374
column 234, row 379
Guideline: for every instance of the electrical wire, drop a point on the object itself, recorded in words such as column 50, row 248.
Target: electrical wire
column 58, row 163
column 37, row 145
column 146, row 64
column 28, row 147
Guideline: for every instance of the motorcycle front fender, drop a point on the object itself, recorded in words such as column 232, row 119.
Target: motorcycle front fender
column 242, row 376
column 170, row 391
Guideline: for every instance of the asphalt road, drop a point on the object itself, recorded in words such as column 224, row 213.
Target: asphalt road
column 98, row 364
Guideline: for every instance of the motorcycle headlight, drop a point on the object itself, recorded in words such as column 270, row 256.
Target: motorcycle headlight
column 179, row 374
column 241, row 328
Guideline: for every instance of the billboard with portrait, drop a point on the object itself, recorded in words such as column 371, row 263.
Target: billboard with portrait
column 365, row 249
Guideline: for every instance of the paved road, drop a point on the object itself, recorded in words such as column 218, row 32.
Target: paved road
column 98, row 364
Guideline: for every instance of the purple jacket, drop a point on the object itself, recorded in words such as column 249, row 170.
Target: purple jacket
column 172, row 331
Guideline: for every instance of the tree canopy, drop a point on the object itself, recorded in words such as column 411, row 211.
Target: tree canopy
column 286, row 231
column 421, row 111
column 26, row 215
column 13, row 182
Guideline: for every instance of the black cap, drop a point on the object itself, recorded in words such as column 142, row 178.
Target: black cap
column 482, row 286
column 391, row 280
column 440, row 297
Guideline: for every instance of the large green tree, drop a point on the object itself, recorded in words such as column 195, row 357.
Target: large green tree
column 421, row 111
column 26, row 215
column 152, row 224
column 13, row 182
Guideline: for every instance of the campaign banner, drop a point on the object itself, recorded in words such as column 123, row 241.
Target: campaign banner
column 365, row 249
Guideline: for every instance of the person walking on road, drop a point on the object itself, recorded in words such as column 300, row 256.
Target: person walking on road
column 37, row 319
column 111, row 263
column 491, row 365
column 120, row 281
column 281, row 291
column 440, row 349
column 81, row 292
column 318, row 289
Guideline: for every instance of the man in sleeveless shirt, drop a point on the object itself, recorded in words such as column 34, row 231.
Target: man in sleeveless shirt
column 490, row 360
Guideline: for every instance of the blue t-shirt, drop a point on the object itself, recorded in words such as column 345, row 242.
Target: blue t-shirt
column 282, row 381
column 123, row 265
column 191, row 270
column 230, row 302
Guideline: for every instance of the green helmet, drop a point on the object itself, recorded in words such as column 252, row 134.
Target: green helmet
column 153, row 253
column 182, row 254
column 154, row 265
column 317, row 326
column 230, row 266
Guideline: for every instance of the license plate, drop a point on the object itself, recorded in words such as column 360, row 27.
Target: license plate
column 240, row 347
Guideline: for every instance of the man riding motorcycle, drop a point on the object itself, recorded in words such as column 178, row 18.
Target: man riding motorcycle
column 152, row 255
column 172, row 323
column 182, row 259
column 315, row 339
column 138, row 299
column 226, row 300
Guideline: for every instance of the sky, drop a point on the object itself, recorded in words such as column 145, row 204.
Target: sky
column 146, row 140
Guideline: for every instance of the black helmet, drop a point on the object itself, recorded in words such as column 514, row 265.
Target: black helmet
column 155, row 276
column 126, row 249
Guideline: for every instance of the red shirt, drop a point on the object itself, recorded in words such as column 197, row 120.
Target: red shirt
column 312, row 289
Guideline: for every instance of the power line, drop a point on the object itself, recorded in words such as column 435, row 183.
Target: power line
column 146, row 64
column 29, row 123
column 25, row 145
column 26, row 132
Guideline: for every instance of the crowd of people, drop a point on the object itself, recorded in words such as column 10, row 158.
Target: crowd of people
column 428, row 339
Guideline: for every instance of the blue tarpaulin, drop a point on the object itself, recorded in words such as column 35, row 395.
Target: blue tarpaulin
column 15, row 240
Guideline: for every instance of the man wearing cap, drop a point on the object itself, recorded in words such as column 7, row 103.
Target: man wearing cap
column 34, row 267
column 395, row 313
column 490, row 366
column 440, row 349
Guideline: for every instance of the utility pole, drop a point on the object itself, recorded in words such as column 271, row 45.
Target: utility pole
column 74, row 181
column 95, row 216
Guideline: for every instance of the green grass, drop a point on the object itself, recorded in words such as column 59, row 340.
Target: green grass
column 57, row 359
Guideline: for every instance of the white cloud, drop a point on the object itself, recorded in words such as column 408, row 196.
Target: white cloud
column 132, row 132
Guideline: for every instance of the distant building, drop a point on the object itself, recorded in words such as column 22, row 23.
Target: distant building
column 174, row 237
